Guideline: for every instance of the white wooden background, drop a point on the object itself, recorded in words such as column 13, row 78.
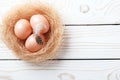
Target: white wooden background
column 91, row 47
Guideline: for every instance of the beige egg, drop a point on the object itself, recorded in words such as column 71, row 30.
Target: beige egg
column 22, row 29
column 32, row 45
column 39, row 23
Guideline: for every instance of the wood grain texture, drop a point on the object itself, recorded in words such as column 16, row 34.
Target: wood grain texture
column 60, row 70
column 83, row 42
column 78, row 11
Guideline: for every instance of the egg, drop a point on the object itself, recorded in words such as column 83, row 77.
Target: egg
column 32, row 45
column 22, row 29
column 39, row 24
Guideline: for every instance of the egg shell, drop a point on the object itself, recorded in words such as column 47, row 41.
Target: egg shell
column 41, row 22
column 22, row 29
column 32, row 45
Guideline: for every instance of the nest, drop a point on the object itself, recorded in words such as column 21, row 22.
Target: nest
column 54, row 35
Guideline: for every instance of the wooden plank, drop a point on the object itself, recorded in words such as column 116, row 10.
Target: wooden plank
column 78, row 11
column 83, row 42
column 60, row 70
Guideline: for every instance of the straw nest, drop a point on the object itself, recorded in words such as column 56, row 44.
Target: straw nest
column 53, row 36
